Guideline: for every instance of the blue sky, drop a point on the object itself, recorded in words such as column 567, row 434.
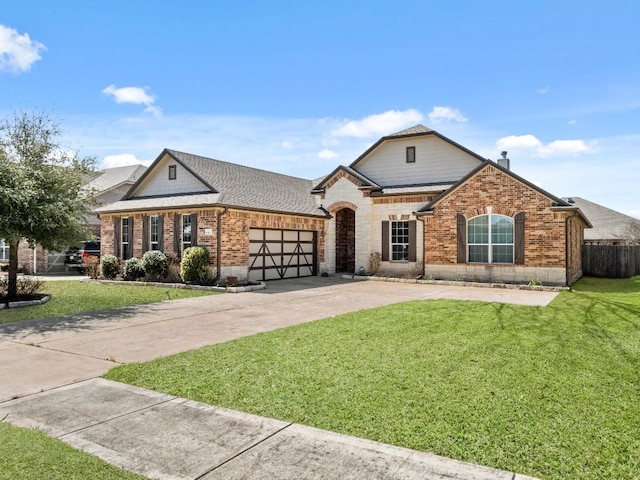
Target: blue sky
column 300, row 87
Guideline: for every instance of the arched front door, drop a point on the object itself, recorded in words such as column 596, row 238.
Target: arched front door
column 345, row 240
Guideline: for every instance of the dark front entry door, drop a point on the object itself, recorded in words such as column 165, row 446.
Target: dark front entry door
column 345, row 240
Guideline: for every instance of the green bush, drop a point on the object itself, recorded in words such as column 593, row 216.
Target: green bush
column 195, row 264
column 110, row 267
column 155, row 264
column 25, row 287
column 133, row 270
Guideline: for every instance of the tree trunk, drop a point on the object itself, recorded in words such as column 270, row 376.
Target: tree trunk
column 12, row 290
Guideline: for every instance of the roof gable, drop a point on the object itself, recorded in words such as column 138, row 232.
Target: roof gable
column 156, row 182
column 350, row 174
column 203, row 181
column 436, row 159
column 489, row 164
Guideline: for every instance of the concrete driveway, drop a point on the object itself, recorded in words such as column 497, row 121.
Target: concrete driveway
column 38, row 355
column 48, row 369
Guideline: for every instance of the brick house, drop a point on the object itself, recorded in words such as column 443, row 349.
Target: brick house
column 108, row 185
column 421, row 202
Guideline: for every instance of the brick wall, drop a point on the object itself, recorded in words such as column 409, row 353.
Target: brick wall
column 544, row 236
column 235, row 232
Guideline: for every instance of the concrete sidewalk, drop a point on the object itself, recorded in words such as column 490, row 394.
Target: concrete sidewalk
column 165, row 437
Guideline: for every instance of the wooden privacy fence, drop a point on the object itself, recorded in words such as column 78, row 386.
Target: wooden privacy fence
column 611, row 261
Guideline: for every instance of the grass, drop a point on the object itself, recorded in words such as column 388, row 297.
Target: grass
column 27, row 453
column 551, row 392
column 73, row 296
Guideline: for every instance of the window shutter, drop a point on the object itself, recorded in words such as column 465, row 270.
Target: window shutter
column 145, row 234
column 116, row 237
column 130, row 249
column 194, row 229
column 385, row 241
column 161, row 233
column 519, row 239
column 462, row 239
column 177, row 232
column 412, row 241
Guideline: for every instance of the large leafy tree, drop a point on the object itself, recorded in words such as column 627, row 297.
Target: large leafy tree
column 43, row 197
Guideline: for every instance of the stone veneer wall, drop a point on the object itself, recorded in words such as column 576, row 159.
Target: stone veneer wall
column 544, row 235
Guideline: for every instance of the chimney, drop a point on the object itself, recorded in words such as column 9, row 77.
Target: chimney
column 504, row 162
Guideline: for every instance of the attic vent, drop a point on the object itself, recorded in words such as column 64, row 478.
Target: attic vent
column 172, row 172
column 411, row 154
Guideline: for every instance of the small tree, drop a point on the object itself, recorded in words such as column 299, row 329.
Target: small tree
column 43, row 198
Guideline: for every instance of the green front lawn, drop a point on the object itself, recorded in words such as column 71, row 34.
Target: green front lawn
column 30, row 454
column 552, row 392
column 72, row 296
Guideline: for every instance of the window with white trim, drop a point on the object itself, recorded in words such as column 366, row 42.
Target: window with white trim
column 186, row 232
column 411, row 155
column 490, row 239
column 125, row 235
column 400, row 241
column 154, row 232
column 4, row 250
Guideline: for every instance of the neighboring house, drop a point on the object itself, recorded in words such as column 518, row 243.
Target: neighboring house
column 609, row 226
column 109, row 185
column 423, row 203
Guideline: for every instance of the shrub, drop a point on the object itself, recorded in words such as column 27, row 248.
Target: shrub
column 155, row 264
column 375, row 260
column 92, row 266
column 26, row 286
column 195, row 264
column 133, row 270
column 110, row 267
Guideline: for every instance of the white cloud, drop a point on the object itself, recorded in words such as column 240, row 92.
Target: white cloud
column 571, row 122
column 543, row 91
column 446, row 114
column 327, row 154
column 567, row 147
column 287, row 144
column 517, row 142
column 538, row 149
column 18, row 52
column 120, row 160
column 379, row 124
column 135, row 95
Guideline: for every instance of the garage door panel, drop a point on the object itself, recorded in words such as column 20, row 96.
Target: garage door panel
column 275, row 254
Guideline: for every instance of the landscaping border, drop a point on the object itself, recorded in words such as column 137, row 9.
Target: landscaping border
column 512, row 286
column 26, row 303
column 247, row 288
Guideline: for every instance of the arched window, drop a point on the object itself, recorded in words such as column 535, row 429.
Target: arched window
column 490, row 239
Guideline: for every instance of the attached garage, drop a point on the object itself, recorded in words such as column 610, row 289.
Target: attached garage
column 276, row 254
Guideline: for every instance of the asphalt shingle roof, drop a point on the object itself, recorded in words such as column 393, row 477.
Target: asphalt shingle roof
column 607, row 224
column 234, row 186
column 416, row 129
column 108, row 178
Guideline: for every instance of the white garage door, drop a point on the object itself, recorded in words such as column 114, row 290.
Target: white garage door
column 275, row 254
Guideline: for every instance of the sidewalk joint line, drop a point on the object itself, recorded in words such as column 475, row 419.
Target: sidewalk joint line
column 117, row 417
column 250, row 447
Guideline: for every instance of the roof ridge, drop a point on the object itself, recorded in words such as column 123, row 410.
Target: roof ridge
column 236, row 164
column 416, row 129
